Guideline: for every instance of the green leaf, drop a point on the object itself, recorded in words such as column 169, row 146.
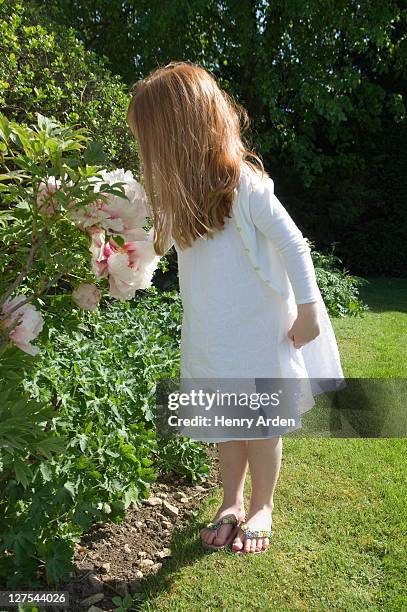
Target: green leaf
column 4, row 127
column 58, row 560
column 119, row 239
column 88, row 427
column 70, row 487
column 14, row 174
column 83, row 442
column 22, row 471
column 52, row 444
column 94, row 154
column 117, row 600
column 45, row 123
column 46, row 472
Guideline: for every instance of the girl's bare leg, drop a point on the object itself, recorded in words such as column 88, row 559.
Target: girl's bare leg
column 233, row 464
column 264, row 458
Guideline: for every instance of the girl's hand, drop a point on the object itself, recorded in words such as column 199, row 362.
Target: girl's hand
column 306, row 326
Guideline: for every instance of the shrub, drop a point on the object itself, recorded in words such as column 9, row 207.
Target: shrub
column 96, row 373
column 339, row 289
column 182, row 456
column 49, row 71
column 77, row 430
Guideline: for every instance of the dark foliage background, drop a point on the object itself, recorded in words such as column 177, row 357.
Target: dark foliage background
column 324, row 83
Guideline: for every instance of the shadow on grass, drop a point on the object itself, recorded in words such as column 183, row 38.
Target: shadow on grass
column 385, row 294
column 365, row 408
column 186, row 550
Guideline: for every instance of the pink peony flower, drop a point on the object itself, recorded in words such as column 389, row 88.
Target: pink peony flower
column 46, row 201
column 120, row 216
column 87, row 296
column 129, row 267
column 47, row 204
column 26, row 323
column 100, row 253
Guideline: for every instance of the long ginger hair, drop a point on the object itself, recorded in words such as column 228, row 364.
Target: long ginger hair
column 191, row 147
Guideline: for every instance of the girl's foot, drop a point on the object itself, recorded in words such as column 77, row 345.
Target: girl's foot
column 220, row 536
column 258, row 520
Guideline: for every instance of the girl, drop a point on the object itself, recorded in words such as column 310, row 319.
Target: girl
column 251, row 304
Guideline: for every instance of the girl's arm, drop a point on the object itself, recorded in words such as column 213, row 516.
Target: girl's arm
column 306, row 326
column 272, row 219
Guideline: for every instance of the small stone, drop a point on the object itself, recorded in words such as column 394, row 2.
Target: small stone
column 96, row 583
column 98, row 525
column 200, row 489
column 146, row 562
column 105, row 577
column 153, row 501
column 170, row 509
column 139, row 523
column 181, row 497
column 127, row 549
column 165, row 552
column 162, row 495
column 138, row 574
column 156, row 567
column 167, row 524
column 94, row 609
column 105, row 567
column 92, row 599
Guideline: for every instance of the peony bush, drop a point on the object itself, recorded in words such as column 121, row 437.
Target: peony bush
column 56, row 209
column 71, row 232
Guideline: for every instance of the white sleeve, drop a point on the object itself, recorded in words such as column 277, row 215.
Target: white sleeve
column 272, row 219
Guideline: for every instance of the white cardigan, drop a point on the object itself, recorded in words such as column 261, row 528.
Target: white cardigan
column 276, row 247
column 281, row 257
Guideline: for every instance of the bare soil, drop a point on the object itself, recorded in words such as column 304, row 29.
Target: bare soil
column 113, row 560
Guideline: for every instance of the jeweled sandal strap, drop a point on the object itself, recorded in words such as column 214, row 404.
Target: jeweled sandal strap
column 230, row 519
column 256, row 533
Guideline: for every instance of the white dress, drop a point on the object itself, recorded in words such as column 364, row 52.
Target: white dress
column 234, row 325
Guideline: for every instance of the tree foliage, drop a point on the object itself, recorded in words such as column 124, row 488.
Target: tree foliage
column 47, row 69
column 324, row 83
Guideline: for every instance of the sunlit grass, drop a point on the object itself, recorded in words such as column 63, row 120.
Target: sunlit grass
column 339, row 520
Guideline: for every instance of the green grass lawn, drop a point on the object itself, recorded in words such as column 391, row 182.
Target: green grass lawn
column 375, row 345
column 340, row 507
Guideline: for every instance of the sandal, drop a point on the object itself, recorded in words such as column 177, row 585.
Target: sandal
column 257, row 533
column 227, row 519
